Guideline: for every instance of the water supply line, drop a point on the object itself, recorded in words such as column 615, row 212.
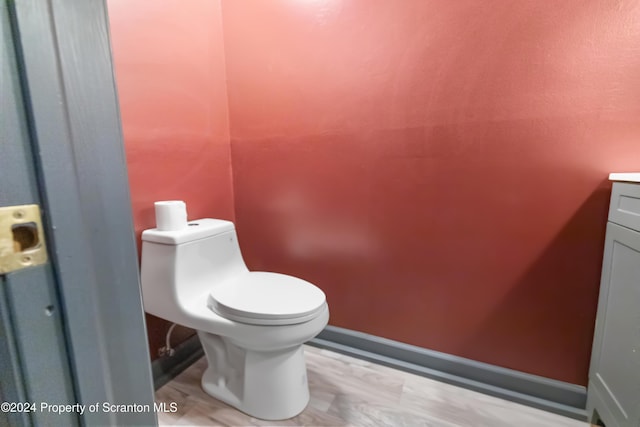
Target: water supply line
column 167, row 350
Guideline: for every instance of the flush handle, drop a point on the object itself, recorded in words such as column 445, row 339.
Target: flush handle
column 22, row 242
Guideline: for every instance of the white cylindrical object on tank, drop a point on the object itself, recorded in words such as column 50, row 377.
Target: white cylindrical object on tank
column 171, row 215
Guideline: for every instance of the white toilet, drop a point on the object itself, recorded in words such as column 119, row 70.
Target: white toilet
column 251, row 324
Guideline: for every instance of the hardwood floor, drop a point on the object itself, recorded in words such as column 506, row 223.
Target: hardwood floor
column 351, row 392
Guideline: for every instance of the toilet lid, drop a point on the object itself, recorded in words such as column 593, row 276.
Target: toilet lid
column 262, row 298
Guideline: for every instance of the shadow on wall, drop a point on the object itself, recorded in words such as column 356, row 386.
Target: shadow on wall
column 539, row 336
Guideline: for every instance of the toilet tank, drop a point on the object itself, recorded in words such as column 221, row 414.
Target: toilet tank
column 179, row 268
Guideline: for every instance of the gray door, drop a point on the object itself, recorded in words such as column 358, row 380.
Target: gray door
column 30, row 315
column 71, row 328
column 614, row 377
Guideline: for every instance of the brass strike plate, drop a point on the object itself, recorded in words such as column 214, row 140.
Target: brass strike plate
column 22, row 242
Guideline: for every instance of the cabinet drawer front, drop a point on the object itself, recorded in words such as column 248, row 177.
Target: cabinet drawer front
column 625, row 205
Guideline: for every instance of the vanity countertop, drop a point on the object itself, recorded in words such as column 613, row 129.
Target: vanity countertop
column 628, row 177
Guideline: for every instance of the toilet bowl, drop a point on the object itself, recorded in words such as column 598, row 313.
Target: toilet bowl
column 251, row 324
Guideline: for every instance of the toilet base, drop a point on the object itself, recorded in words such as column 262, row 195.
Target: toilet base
column 268, row 385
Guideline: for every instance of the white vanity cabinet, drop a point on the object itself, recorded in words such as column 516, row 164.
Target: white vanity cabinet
column 613, row 393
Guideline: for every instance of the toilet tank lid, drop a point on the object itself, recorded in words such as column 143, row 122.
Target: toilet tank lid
column 195, row 230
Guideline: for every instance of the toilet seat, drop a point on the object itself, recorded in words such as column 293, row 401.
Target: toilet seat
column 261, row 298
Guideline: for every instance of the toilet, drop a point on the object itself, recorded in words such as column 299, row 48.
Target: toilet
column 251, row 324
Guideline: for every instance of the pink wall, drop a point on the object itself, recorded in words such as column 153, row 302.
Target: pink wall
column 170, row 72
column 437, row 167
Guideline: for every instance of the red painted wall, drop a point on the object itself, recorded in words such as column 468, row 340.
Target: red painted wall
column 170, row 73
column 437, row 167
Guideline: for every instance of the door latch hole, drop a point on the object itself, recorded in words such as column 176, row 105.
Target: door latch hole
column 25, row 236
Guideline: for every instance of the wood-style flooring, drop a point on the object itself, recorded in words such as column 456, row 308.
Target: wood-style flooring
column 351, row 392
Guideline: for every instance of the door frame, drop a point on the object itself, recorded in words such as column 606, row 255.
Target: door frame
column 64, row 55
